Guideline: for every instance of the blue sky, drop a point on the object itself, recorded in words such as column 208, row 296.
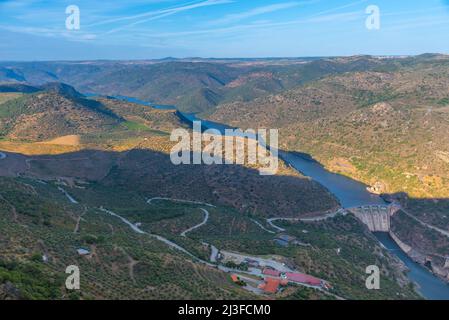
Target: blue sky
column 144, row 29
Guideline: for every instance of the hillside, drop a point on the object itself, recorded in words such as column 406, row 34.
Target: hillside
column 41, row 231
column 386, row 127
column 95, row 173
column 43, row 116
column 37, row 221
column 193, row 85
column 56, row 110
column 41, row 228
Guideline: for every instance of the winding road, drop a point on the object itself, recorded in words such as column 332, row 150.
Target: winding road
column 206, row 218
column 214, row 251
column 315, row 219
column 71, row 199
column 269, row 221
column 262, row 227
column 166, row 241
column 182, row 201
column 251, row 271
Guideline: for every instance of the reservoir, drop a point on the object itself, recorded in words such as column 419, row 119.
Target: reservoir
column 350, row 193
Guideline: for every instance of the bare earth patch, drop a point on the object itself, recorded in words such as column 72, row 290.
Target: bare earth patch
column 70, row 140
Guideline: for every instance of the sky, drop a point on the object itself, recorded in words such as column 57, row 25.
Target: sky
column 35, row 30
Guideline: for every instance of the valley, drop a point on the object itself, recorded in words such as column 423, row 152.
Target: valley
column 93, row 172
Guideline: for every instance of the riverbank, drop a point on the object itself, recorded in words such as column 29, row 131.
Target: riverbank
column 429, row 286
column 350, row 193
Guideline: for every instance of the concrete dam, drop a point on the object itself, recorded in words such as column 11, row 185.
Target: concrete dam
column 375, row 217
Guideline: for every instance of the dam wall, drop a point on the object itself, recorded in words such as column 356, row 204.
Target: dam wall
column 376, row 218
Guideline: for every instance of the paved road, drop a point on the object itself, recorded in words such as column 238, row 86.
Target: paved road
column 177, row 247
column 267, row 262
column 263, row 262
column 261, row 226
column 214, row 250
column 254, row 287
column 213, row 254
column 166, row 241
column 180, row 200
column 71, row 199
column 441, row 231
column 326, row 216
column 132, row 225
column 206, row 217
column 315, row 219
column 270, row 222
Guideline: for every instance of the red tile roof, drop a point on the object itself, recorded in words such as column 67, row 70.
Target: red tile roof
column 271, row 272
column 303, row 278
column 271, row 285
column 234, row 278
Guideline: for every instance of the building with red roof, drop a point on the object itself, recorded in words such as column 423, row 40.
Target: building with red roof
column 271, row 272
column 302, row 278
column 236, row 279
column 271, row 285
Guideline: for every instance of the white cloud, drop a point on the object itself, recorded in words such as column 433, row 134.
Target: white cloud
column 163, row 12
column 256, row 12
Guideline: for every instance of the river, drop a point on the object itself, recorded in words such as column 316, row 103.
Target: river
column 350, row 193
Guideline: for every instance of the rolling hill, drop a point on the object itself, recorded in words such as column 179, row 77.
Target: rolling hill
column 193, row 85
column 388, row 127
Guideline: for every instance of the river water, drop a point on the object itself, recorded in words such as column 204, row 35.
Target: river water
column 350, row 193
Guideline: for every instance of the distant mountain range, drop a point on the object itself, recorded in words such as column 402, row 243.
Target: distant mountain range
column 193, row 85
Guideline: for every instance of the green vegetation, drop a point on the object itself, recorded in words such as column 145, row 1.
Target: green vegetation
column 122, row 264
column 10, row 109
column 388, row 124
column 385, row 121
column 303, row 293
column 367, row 98
column 28, row 280
column 385, row 125
column 429, row 241
column 135, row 126
column 444, row 102
column 319, row 254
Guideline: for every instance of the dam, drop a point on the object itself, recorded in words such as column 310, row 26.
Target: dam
column 375, row 217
